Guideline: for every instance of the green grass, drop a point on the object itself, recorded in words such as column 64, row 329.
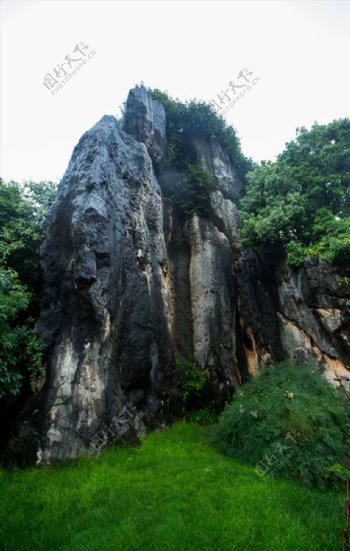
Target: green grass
column 175, row 492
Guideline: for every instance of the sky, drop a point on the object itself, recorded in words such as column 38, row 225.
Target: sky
column 296, row 51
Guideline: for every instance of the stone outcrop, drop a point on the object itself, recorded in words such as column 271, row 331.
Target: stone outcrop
column 314, row 318
column 131, row 285
column 145, row 121
column 300, row 314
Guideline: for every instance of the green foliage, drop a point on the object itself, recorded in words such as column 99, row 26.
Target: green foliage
column 191, row 380
column 303, row 199
column 202, row 416
column 175, row 492
column 192, row 195
column 22, row 210
column 338, row 472
column 13, row 299
column 197, row 118
column 32, row 355
column 185, row 122
column 288, row 422
column 330, row 240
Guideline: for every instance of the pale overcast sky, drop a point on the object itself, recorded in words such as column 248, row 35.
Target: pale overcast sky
column 299, row 49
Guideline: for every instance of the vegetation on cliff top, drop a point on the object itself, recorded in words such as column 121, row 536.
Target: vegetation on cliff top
column 195, row 118
column 301, row 200
column 186, row 122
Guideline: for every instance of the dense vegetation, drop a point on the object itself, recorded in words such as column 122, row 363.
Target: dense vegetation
column 175, row 492
column 288, row 422
column 303, row 199
column 22, row 209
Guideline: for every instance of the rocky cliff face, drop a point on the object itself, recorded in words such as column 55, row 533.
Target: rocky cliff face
column 131, row 285
column 300, row 314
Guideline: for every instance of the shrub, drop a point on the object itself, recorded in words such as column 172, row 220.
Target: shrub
column 192, row 195
column 203, row 416
column 191, row 381
column 288, row 422
column 20, row 348
column 332, row 241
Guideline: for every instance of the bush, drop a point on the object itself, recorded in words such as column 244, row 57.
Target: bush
column 331, row 241
column 191, row 380
column 192, row 195
column 203, row 416
column 288, row 422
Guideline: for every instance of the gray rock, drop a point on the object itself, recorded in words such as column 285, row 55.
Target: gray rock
column 105, row 311
column 145, row 120
column 213, row 158
column 302, row 314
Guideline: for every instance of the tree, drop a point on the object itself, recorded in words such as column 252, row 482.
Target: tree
column 13, row 299
column 303, row 199
column 22, row 211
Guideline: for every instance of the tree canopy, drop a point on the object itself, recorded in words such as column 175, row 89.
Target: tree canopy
column 303, row 198
column 22, row 210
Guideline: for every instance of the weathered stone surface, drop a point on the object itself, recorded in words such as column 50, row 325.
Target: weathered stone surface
column 145, row 121
column 131, row 284
column 105, row 312
column 302, row 314
column 214, row 158
column 315, row 318
column 257, row 304
column 128, row 287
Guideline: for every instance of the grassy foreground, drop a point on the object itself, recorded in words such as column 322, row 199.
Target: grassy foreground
column 175, row 492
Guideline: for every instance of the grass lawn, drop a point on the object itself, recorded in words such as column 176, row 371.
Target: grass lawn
column 175, row 492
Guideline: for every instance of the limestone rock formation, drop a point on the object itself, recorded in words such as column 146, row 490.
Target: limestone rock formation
column 300, row 314
column 130, row 286
column 145, row 121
